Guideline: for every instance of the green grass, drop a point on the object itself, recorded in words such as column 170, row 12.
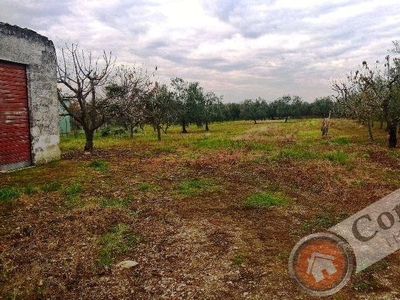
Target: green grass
column 7, row 194
column 323, row 221
column 99, row 165
column 50, row 187
column 336, row 156
column 296, row 153
column 265, row 200
column 30, row 189
column 196, row 186
column 74, row 202
column 212, row 143
column 117, row 241
column 112, row 202
column 163, row 149
column 341, row 141
column 72, row 190
column 144, row 186
column 238, row 259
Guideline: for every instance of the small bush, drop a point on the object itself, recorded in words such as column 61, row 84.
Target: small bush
column 265, row 199
column 8, row 194
column 105, row 131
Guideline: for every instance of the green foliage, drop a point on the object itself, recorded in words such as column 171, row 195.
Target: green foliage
column 99, row 165
column 7, row 194
column 105, row 130
column 117, row 241
column 51, row 187
column 265, row 200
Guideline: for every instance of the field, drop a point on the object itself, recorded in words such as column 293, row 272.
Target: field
column 204, row 215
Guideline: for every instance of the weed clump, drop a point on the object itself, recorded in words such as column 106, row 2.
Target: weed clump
column 264, row 200
column 72, row 190
column 99, row 165
column 51, row 187
column 337, row 156
column 117, row 241
column 8, row 194
column 196, row 186
column 114, row 202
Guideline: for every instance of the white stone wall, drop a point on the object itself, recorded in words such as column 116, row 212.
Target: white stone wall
column 25, row 46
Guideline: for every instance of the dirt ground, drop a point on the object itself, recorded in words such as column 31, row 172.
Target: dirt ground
column 201, row 244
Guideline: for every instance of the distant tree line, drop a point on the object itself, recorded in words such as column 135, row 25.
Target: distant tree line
column 101, row 94
column 372, row 94
column 186, row 103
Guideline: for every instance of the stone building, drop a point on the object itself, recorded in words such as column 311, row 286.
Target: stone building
column 29, row 121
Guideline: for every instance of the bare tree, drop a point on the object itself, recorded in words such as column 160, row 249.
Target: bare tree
column 361, row 96
column 82, row 79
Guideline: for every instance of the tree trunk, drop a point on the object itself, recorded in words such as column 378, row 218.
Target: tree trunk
column 369, row 126
column 131, row 128
column 184, row 127
column 159, row 133
column 207, row 129
column 89, row 140
column 392, row 134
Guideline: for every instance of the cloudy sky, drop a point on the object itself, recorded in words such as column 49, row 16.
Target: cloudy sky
column 237, row 48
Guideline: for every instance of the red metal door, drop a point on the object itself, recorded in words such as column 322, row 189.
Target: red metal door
column 15, row 145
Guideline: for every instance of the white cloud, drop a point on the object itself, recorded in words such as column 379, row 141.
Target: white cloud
column 242, row 49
